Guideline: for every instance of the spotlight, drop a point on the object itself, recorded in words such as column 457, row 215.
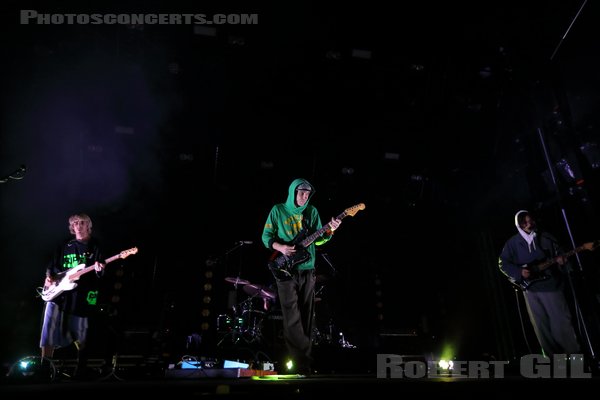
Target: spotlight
column 569, row 170
column 446, row 364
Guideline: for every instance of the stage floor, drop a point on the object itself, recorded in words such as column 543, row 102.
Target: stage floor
column 302, row 387
column 137, row 377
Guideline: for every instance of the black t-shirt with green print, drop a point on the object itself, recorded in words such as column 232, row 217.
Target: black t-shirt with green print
column 82, row 299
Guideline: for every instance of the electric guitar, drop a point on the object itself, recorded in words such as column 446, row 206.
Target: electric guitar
column 281, row 265
column 537, row 270
column 65, row 281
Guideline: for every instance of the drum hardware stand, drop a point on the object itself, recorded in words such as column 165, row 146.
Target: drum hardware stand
column 113, row 371
column 253, row 329
column 329, row 337
column 328, row 261
column 232, row 335
column 238, row 331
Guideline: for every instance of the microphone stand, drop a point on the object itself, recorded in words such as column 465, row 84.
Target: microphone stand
column 234, row 248
column 581, row 321
column 233, row 294
column 238, row 244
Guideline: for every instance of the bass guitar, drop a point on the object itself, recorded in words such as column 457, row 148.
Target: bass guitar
column 65, row 281
column 281, row 265
column 537, row 271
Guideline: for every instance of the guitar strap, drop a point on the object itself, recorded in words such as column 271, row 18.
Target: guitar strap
column 305, row 220
column 551, row 249
column 548, row 244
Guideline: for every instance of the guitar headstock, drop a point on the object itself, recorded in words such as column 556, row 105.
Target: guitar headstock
column 591, row 245
column 127, row 253
column 354, row 209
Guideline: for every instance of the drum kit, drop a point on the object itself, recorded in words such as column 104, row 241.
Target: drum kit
column 244, row 320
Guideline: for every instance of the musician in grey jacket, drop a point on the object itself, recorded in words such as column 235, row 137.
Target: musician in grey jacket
column 533, row 261
column 66, row 315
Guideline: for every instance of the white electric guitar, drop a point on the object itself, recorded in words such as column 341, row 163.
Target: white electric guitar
column 66, row 280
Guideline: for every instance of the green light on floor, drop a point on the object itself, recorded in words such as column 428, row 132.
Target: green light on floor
column 447, row 352
column 446, row 364
column 275, row 377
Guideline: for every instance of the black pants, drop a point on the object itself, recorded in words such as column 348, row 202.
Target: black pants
column 297, row 299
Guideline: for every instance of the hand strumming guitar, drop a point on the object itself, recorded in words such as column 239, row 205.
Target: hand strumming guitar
column 49, row 281
column 285, row 249
column 527, row 270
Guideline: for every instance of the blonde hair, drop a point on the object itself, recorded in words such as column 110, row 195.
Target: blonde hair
column 80, row 217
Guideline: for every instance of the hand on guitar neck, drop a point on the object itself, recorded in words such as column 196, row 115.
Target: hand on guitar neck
column 67, row 280
column 286, row 256
column 534, row 272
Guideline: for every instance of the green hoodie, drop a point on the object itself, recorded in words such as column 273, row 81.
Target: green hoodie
column 286, row 220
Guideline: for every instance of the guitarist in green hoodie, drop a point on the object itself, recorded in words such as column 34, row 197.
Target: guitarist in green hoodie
column 286, row 231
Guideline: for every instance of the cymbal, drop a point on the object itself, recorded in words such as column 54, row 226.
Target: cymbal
column 259, row 290
column 236, row 280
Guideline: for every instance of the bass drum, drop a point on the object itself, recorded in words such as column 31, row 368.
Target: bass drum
column 252, row 321
column 227, row 323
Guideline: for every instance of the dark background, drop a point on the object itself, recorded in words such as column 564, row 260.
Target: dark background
column 179, row 143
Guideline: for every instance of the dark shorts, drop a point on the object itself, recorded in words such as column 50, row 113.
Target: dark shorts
column 60, row 329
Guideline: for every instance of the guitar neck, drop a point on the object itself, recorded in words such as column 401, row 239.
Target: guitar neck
column 113, row 258
column 552, row 261
column 309, row 239
column 85, row 270
column 81, row 272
